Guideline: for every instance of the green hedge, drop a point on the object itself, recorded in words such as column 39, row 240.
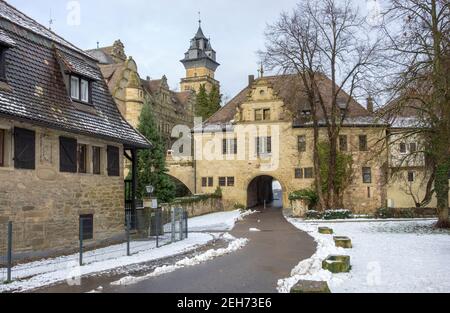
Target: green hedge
column 329, row 215
column 308, row 195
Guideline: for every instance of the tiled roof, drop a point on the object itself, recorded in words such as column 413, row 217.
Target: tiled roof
column 37, row 92
column 78, row 66
column 6, row 40
column 288, row 89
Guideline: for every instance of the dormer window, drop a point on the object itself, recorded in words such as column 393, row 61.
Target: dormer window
column 3, row 63
column 80, row 89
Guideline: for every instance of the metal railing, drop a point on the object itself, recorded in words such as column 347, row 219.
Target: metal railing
column 164, row 227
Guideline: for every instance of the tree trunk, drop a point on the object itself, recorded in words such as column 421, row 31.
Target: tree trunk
column 332, row 172
column 318, row 180
column 442, row 189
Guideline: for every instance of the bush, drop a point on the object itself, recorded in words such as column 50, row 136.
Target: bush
column 239, row 206
column 313, row 215
column 329, row 215
column 337, row 214
column 396, row 213
column 308, row 195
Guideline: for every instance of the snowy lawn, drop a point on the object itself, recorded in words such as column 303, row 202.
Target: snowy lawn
column 221, row 221
column 50, row 271
column 387, row 257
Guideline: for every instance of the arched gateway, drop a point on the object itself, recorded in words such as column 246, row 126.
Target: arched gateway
column 265, row 189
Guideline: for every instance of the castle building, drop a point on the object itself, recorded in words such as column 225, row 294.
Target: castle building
column 62, row 143
column 265, row 135
column 200, row 63
column 130, row 91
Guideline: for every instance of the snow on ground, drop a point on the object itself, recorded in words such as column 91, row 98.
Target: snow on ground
column 387, row 257
column 234, row 245
column 221, row 221
column 65, row 268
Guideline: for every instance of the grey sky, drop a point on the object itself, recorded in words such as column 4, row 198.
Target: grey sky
column 157, row 32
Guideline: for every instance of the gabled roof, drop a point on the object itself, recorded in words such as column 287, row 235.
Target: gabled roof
column 37, row 92
column 288, row 90
column 180, row 100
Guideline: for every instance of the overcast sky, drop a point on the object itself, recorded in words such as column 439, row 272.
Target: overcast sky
column 157, row 32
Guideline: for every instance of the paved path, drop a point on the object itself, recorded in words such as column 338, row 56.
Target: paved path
column 270, row 255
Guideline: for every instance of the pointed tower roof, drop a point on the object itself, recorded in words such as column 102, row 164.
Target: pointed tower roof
column 199, row 34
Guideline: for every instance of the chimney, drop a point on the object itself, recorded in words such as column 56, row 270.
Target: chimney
column 370, row 106
column 251, row 79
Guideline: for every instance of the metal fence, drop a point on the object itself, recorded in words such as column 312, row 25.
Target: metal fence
column 157, row 229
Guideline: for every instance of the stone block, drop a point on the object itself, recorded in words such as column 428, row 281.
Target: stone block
column 343, row 242
column 325, row 231
column 337, row 264
column 308, row 286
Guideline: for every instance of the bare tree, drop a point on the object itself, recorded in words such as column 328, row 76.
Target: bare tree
column 327, row 46
column 418, row 53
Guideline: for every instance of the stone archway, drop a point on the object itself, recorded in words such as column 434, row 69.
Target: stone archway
column 261, row 189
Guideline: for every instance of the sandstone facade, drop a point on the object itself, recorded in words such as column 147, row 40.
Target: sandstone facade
column 45, row 204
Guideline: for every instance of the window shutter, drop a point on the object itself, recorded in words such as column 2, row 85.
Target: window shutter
column 67, row 155
column 258, row 146
column 269, row 145
column 224, row 146
column 113, row 161
column 24, row 149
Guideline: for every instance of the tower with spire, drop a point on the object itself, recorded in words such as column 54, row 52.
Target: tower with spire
column 200, row 63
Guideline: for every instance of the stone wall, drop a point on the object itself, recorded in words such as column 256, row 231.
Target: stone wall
column 199, row 207
column 45, row 204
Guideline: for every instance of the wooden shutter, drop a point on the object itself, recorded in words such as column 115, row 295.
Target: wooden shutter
column 67, row 155
column 96, row 155
column 113, row 161
column 258, row 146
column 224, row 146
column 24, row 149
column 269, row 144
column 2, row 147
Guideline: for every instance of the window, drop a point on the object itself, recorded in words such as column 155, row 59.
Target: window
column 113, row 161
column 263, row 145
column 75, row 87
column 2, row 147
column 82, row 158
column 87, row 227
column 210, row 182
column 343, row 143
column 24, row 149
column 411, row 177
column 309, row 173
column 266, row 115
column 363, row 143
column 68, row 155
column 402, row 147
column 367, row 175
column 80, row 89
column 222, row 181
column 413, row 147
column 299, row 173
column 3, row 63
column 204, row 182
column 258, row 115
column 229, row 146
column 96, row 160
column 84, row 91
column 230, row 182
column 369, row 193
column 302, row 143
